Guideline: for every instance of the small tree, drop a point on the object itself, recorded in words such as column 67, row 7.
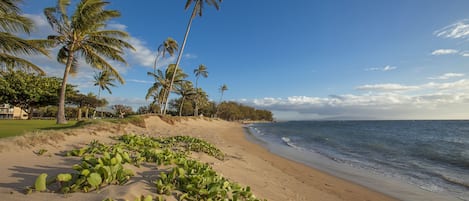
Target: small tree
column 29, row 91
column 122, row 110
column 200, row 71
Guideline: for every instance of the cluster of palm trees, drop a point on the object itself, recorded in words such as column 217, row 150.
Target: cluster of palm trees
column 83, row 34
column 174, row 77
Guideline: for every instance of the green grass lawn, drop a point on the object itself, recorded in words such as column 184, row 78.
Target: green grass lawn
column 18, row 127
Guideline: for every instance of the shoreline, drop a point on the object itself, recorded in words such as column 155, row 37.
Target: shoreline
column 316, row 183
column 270, row 176
column 393, row 187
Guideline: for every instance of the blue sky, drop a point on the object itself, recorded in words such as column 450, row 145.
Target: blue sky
column 302, row 59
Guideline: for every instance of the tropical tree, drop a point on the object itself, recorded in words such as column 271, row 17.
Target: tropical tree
column 169, row 46
column 160, row 89
column 11, row 46
column 122, row 110
column 83, row 34
column 104, row 80
column 197, row 10
column 185, row 90
column 222, row 90
column 199, row 71
column 29, row 91
column 86, row 101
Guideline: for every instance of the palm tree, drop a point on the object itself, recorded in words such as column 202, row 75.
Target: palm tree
column 11, row 21
column 198, row 8
column 84, row 34
column 169, row 46
column 157, row 90
column 222, row 89
column 199, row 71
column 160, row 89
column 103, row 79
column 185, row 89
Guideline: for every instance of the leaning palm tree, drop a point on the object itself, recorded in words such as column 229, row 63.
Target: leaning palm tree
column 11, row 46
column 185, row 90
column 199, row 71
column 169, row 46
column 198, row 8
column 84, row 34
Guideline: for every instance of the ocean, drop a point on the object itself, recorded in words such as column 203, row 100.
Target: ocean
column 409, row 160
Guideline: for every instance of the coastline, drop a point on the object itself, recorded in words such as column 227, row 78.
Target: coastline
column 270, row 176
column 394, row 187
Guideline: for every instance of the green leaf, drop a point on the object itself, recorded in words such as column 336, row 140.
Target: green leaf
column 118, row 158
column 40, row 184
column 85, row 172
column 94, row 179
column 181, row 172
column 148, row 198
column 64, row 177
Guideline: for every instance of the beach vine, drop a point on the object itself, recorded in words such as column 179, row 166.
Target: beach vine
column 105, row 164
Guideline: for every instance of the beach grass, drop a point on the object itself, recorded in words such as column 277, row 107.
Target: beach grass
column 18, row 127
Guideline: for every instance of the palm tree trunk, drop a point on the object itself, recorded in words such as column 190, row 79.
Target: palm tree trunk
column 180, row 54
column 154, row 64
column 182, row 105
column 99, row 95
column 163, row 103
column 61, row 110
column 79, row 113
column 87, row 111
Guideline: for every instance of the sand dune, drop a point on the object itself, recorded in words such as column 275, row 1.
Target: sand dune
column 270, row 176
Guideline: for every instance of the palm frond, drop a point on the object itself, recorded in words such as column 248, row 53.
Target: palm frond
column 15, row 45
column 15, row 23
column 17, row 62
column 96, row 61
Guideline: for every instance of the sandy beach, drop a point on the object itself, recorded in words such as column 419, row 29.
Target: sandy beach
column 271, row 177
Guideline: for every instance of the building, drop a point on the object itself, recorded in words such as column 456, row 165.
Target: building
column 11, row 112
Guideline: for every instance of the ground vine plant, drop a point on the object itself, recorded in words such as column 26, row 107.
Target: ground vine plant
column 102, row 165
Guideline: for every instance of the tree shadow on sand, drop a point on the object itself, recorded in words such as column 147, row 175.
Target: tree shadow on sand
column 26, row 176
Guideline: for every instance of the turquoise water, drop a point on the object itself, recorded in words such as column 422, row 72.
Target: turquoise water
column 430, row 155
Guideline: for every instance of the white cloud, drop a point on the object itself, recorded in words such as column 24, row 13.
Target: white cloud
column 428, row 101
column 42, row 28
column 457, row 30
column 447, row 76
column 142, row 54
column 464, row 53
column 140, row 81
column 190, row 56
column 117, row 26
column 456, row 86
column 444, row 52
column 385, row 68
column 386, row 87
